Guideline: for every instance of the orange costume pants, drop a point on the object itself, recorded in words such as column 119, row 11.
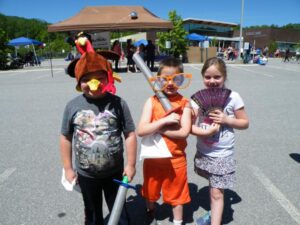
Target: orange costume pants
column 171, row 182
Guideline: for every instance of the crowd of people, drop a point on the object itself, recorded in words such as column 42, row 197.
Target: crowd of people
column 29, row 59
column 146, row 51
column 257, row 55
column 96, row 122
column 229, row 53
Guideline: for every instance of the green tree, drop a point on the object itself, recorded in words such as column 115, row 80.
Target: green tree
column 274, row 26
column 297, row 46
column 3, row 49
column 214, row 42
column 176, row 36
column 57, row 45
column 15, row 27
column 292, row 26
column 272, row 46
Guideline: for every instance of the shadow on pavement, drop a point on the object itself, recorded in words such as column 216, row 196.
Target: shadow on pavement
column 201, row 199
column 295, row 156
column 230, row 198
column 197, row 199
column 136, row 209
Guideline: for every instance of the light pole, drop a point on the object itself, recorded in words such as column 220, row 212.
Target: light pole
column 241, row 30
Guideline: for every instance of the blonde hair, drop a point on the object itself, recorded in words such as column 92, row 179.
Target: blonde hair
column 219, row 63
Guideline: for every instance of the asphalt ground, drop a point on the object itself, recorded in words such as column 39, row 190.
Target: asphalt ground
column 268, row 153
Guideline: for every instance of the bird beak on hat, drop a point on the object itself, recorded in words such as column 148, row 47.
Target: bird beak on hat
column 93, row 84
column 117, row 77
column 82, row 41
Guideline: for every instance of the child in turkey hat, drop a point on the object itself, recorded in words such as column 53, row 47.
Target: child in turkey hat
column 92, row 128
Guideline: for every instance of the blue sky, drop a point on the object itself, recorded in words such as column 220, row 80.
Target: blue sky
column 256, row 12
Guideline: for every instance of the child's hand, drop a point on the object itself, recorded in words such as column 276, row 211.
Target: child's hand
column 70, row 175
column 218, row 116
column 129, row 171
column 173, row 118
column 214, row 128
column 208, row 132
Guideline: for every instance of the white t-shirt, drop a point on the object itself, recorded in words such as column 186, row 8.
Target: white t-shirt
column 222, row 143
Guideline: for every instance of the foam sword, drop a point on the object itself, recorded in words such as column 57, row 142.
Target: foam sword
column 155, row 86
column 119, row 201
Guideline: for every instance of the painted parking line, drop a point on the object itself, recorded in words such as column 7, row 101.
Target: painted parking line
column 30, row 70
column 199, row 66
column 254, row 72
column 196, row 67
column 6, row 174
column 276, row 193
column 284, row 68
column 46, row 75
column 45, row 69
column 11, row 74
column 40, row 77
column 242, row 65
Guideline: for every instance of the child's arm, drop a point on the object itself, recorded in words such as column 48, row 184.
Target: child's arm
column 131, row 146
column 182, row 130
column 240, row 121
column 66, row 156
column 203, row 133
column 147, row 127
column 213, row 129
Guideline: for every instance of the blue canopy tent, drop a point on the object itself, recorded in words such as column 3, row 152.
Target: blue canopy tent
column 196, row 37
column 139, row 42
column 21, row 41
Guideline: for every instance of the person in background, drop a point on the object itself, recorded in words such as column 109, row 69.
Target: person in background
column 230, row 52
column 116, row 47
column 150, row 55
column 266, row 51
column 129, row 55
column 141, row 50
column 277, row 53
column 298, row 55
column 287, row 55
column 69, row 57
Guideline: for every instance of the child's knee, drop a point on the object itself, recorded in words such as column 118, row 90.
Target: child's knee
column 216, row 194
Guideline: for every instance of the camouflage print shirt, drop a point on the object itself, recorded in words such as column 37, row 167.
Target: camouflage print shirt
column 96, row 127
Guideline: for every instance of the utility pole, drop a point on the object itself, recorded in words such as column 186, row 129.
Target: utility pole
column 241, row 29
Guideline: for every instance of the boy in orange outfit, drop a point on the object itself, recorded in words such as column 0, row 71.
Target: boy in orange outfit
column 167, row 175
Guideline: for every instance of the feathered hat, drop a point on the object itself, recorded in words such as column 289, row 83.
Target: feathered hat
column 91, row 61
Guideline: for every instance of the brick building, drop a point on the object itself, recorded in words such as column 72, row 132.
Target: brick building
column 260, row 37
column 228, row 34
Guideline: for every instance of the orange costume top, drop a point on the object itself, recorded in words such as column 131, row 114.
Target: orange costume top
column 175, row 146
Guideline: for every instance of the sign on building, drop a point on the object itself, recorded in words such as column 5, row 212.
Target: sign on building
column 206, row 44
column 246, row 45
column 101, row 40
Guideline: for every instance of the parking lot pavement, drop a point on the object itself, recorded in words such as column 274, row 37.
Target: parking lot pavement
column 268, row 153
